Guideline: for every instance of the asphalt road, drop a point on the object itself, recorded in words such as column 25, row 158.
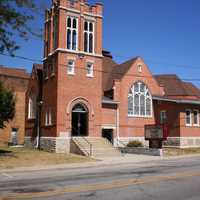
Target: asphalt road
column 166, row 179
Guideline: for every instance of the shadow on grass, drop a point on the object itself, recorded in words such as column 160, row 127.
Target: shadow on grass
column 4, row 152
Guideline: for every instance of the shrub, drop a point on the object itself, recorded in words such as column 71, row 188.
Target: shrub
column 135, row 143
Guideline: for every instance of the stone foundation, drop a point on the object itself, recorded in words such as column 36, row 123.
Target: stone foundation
column 182, row 142
column 28, row 143
column 50, row 144
column 142, row 151
column 123, row 141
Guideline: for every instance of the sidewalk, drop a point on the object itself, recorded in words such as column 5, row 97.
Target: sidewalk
column 125, row 160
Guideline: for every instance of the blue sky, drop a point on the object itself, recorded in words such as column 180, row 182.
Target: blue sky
column 166, row 33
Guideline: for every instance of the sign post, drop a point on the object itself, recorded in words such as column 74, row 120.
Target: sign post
column 155, row 135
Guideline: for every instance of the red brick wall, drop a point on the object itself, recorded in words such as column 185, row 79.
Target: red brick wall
column 173, row 116
column 134, row 126
column 32, row 89
column 60, row 91
column 188, row 131
column 71, row 87
column 19, row 86
column 176, row 118
column 49, row 98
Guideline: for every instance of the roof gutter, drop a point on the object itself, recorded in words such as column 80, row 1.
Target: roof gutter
column 177, row 100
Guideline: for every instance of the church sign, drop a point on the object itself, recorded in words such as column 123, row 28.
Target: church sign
column 153, row 132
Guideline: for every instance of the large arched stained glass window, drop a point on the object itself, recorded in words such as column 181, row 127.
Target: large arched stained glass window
column 139, row 101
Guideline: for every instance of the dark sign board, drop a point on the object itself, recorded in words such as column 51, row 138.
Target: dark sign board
column 153, row 132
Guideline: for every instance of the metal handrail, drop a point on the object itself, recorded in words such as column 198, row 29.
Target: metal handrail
column 89, row 145
column 120, row 142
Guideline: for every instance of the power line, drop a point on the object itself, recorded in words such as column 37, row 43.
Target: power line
column 147, row 60
column 21, row 57
column 132, row 75
column 102, row 71
column 164, row 63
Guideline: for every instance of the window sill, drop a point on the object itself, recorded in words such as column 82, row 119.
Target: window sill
column 189, row 125
column 48, row 125
column 137, row 116
column 52, row 75
column 71, row 74
column 90, row 76
column 196, row 125
column 31, row 119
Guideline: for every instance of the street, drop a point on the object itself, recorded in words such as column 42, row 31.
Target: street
column 160, row 179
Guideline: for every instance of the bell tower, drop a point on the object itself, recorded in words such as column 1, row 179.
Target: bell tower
column 73, row 64
column 73, row 26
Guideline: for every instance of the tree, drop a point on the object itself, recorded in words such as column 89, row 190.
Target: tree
column 7, row 105
column 15, row 16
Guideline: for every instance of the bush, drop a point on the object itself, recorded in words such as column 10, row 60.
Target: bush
column 135, row 143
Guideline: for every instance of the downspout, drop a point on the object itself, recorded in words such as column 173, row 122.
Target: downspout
column 38, row 128
column 39, row 105
column 118, row 126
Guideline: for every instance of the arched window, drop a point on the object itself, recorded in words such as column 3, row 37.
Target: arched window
column 32, row 104
column 139, row 101
column 72, row 33
column 89, row 37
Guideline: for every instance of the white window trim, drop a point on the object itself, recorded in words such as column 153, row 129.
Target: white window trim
column 48, row 118
column 72, row 29
column 88, row 36
column 151, row 102
column 161, row 116
column 46, row 75
column 91, row 75
column 196, row 110
column 53, row 67
column 55, row 32
column 188, row 124
column 31, row 111
column 30, row 103
column 139, row 68
column 73, row 68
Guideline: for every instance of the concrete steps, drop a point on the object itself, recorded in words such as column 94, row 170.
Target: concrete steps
column 96, row 147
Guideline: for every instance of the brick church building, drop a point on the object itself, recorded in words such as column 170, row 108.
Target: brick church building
column 81, row 92
column 15, row 80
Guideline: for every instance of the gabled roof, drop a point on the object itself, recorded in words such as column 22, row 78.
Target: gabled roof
column 14, row 72
column 113, row 71
column 174, row 86
column 120, row 70
column 107, row 78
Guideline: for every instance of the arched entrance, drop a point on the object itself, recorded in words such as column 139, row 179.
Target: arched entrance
column 79, row 120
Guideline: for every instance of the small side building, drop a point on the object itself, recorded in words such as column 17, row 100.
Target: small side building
column 178, row 109
column 16, row 80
